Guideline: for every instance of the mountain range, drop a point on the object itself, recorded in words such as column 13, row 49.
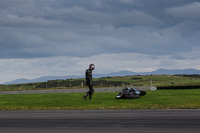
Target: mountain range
column 120, row 73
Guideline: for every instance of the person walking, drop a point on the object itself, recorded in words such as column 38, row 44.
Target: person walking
column 88, row 77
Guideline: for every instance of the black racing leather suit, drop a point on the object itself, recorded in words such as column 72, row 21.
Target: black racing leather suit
column 88, row 77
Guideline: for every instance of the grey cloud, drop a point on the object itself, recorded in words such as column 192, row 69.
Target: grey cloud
column 189, row 11
column 33, row 29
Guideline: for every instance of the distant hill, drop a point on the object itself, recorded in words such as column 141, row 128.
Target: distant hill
column 42, row 79
column 174, row 71
column 120, row 73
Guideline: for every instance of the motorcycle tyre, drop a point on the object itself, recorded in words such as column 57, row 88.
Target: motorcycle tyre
column 142, row 93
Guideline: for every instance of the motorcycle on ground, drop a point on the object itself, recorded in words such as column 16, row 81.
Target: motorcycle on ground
column 130, row 93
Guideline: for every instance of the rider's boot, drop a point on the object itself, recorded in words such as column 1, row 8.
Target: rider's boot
column 85, row 96
column 90, row 96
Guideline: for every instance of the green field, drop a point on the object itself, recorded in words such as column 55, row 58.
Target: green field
column 145, row 80
column 158, row 80
column 159, row 99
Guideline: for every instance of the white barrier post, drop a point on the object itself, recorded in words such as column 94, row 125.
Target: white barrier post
column 153, row 88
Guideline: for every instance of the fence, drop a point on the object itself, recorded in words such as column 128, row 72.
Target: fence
column 79, row 83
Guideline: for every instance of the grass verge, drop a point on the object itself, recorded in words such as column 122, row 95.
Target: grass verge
column 160, row 99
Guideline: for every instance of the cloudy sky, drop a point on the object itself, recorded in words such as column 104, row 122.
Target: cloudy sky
column 62, row 37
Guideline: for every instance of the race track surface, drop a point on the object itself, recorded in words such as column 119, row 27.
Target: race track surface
column 82, row 90
column 100, row 121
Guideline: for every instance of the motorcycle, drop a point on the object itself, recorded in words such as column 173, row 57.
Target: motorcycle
column 130, row 93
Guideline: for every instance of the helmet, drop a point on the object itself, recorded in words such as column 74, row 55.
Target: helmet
column 92, row 66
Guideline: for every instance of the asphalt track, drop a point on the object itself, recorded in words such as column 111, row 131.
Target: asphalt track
column 83, row 90
column 100, row 121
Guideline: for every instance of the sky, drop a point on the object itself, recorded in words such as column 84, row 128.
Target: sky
column 62, row 37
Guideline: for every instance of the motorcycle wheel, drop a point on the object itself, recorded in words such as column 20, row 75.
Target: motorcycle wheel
column 142, row 93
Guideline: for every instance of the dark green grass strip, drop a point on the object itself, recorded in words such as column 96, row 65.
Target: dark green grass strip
column 160, row 99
